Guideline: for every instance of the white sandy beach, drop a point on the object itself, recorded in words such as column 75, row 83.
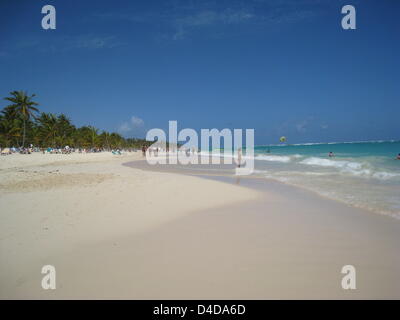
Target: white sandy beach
column 54, row 204
column 114, row 231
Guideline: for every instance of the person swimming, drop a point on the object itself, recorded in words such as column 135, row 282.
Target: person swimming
column 330, row 154
column 398, row 157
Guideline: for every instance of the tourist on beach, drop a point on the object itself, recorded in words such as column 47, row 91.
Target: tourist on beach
column 330, row 154
column 398, row 157
column 239, row 157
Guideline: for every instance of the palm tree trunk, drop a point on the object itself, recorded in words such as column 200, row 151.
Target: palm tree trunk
column 23, row 136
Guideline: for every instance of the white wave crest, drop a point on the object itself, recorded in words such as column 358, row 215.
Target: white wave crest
column 385, row 175
column 315, row 161
column 351, row 167
column 284, row 159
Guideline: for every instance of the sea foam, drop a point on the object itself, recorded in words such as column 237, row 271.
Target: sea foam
column 284, row 159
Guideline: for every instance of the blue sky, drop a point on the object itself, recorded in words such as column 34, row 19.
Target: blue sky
column 283, row 67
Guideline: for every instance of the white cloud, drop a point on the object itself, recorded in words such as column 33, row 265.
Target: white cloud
column 137, row 122
column 124, row 128
column 187, row 23
column 134, row 126
column 324, row 126
column 68, row 43
column 179, row 19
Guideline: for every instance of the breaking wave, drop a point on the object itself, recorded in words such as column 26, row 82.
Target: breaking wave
column 350, row 167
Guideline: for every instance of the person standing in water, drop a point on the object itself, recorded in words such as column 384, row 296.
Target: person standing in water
column 330, row 154
column 398, row 157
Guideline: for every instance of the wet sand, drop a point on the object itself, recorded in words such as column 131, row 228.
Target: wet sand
column 289, row 243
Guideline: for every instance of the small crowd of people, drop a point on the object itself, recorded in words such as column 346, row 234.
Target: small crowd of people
column 156, row 150
column 7, row 151
column 65, row 150
column 58, row 150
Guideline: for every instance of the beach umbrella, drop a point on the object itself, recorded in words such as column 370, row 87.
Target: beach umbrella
column 282, row 139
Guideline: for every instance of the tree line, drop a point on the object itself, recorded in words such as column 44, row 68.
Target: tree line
column 22, row 124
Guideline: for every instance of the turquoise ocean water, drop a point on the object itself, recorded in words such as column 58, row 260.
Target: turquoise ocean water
column 362, row 174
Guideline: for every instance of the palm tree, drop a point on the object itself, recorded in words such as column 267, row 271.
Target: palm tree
column 94, row 132
column 48, row 126
column 83, row 137
column 65, row 129
column 105, row 140
column 23, row 106
column 116, row 140
column 9, row 129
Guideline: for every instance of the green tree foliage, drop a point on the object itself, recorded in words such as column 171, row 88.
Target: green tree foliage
column 21, row 126
column 23, row 107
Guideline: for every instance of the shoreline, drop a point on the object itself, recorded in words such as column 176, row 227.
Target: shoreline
column 227, row 176
column 315, row 193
